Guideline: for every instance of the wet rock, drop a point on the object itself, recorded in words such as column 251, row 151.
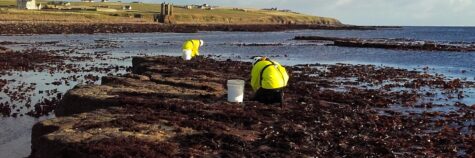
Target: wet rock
column 179, row 110
column 121, row 90
column 77, row 28
column 30, row 59
column 80, row 135
column 401, row 44
column 24, row 94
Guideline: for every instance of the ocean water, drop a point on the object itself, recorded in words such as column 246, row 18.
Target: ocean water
column 15, row 132
column 291, row 52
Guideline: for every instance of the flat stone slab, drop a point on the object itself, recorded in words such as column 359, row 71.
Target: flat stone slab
column 65, row 136
column 116, row 90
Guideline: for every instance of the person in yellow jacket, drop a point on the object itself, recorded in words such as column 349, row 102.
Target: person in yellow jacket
column 191, row 48
column 268, row 80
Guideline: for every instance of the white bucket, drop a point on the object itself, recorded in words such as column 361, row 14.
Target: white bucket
column 235, row 90
column 186, row 54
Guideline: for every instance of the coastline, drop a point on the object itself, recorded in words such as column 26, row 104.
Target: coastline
column 102, row 78
column 28, row 28
column 433, row 110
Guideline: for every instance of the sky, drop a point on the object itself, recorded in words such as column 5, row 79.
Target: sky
column 366, row 12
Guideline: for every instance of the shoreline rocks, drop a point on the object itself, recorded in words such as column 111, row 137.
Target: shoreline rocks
column 84, row 28
column 399, row 44
column 175, row 108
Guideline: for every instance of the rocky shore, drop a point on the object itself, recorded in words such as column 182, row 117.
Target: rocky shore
column 21, row 28
column 62, row 68
column 171, row 108
column 399, row 44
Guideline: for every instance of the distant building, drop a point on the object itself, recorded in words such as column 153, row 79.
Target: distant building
column 204, row 6
column 28, row 4
column 87, row 0
column 166, row 14
column 269, row 9
column 104, row 0
column 127, row 7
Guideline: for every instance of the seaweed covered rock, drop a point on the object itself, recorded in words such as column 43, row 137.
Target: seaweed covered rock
column 86, row 134
column 175, row 108
column 161, row 78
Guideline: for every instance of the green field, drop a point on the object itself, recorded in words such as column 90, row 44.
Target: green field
column 7, row 3
column 111, row 12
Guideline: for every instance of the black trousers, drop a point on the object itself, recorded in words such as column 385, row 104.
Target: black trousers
column 269, row 96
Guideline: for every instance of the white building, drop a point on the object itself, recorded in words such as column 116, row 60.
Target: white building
column 127, row 7
column 28, row 4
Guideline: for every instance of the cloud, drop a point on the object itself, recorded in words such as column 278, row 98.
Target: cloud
column 461, row 5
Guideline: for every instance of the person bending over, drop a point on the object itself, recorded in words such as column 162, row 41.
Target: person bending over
column 268, row 80
column 191, row 48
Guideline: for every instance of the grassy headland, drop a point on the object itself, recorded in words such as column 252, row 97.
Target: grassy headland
column 112, row 12
column 111, row 17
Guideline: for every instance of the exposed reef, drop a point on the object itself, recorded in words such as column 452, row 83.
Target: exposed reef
column 174, row 108
column 400, row 44
column 84, row 28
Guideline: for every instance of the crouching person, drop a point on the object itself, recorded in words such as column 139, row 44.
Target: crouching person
column 191, row 48
column 268, row 80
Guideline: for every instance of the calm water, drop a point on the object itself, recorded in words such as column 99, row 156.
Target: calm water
column 221, row 43
column 15, row 132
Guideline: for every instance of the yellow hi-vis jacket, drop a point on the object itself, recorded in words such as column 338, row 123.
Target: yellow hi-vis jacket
column 193, row 45
column 268, row 74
